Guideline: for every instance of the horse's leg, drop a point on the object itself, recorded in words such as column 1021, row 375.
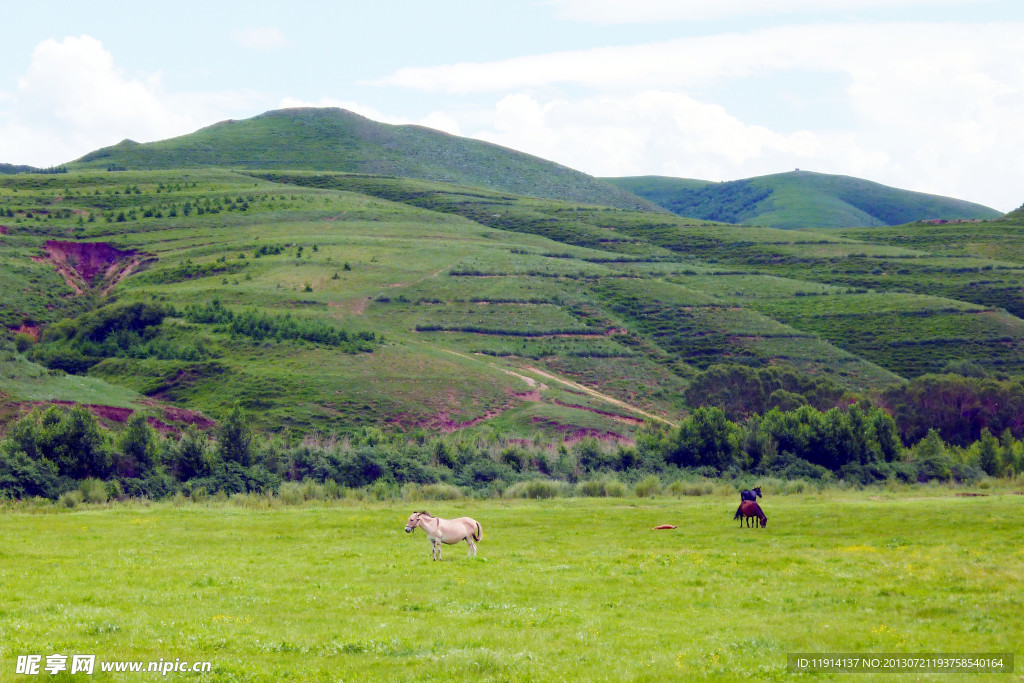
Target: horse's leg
column 472, row 546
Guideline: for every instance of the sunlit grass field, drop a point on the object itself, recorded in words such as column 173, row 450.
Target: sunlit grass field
column 573, row 589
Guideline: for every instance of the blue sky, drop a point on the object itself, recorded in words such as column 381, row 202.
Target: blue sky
column 921, row 94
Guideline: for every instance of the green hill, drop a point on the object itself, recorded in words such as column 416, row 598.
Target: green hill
column 339, row 140
column 17, row 168
column 799, row 199
column 326, row 272
column 1016, row 214
column 329, row 301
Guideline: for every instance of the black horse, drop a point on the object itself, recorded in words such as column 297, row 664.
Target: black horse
column 750, row 494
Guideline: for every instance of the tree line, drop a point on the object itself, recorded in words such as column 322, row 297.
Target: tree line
column 53, row 451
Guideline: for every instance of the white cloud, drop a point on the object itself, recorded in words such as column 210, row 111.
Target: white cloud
column 76, row 83
column 655, row 132
column 651, row 11
column 260, row 38
column 666, row 133
column 929, row 107
column 73, row 99
column 852, row 49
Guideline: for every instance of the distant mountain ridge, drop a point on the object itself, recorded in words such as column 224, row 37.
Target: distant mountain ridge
column 17, row 168
column 799, row 199
column 332, row 139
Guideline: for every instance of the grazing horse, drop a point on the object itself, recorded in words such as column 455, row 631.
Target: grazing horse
column 748, row 509
column 750, row 494
column 448, row 531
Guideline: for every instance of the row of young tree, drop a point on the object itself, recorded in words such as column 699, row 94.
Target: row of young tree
column 960, row 403
column 49, row 452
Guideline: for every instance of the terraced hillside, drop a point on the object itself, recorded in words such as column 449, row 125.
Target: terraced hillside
column 339, row 140
column 327, row 301
column 800, row 199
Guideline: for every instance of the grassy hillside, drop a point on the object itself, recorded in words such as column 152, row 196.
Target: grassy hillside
column 799, row 199
column 330, row 301
column 346, row 260
column 338, row 140
column 1001, row 239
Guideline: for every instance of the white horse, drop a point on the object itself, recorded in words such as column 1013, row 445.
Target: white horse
column 448, row 531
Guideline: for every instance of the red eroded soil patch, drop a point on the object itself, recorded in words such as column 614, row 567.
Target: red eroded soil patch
column 188, row 417
column 79, row 263
column 88, row 258
column 161, row 426
column 111, row 414
column 30, row 330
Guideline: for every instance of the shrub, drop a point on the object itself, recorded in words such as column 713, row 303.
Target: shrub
column 93, row 490
column 137, row 445
column 382, row 490
column 359, row 468
column 614, row 488
column 22, row 477
column 592, row 457
column 590, row 488
column 932, row 459
column 187, row 459
column 70, row 499
column 441, row 491
column 114, row 490
column 333, row 490
column 705, row 439
column 312, row 490
column 700, row 487
column 23, row 342
column 291, row 493
column 648, row 487
column 234, row 440
column 599, row 488
column 535, row 488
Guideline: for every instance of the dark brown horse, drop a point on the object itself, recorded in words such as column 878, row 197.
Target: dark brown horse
column 750, row 494
column 749, row 509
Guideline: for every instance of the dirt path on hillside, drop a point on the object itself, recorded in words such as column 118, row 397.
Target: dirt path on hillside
column 566, row 382
column 422, row 279
column 597, row 394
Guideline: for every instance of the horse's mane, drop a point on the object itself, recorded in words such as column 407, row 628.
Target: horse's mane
column 424, row 512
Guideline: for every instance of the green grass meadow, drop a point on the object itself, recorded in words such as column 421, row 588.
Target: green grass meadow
column 573, row 589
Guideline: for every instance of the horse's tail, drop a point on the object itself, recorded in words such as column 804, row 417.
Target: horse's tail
column 739, row 511
column 479, row 533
